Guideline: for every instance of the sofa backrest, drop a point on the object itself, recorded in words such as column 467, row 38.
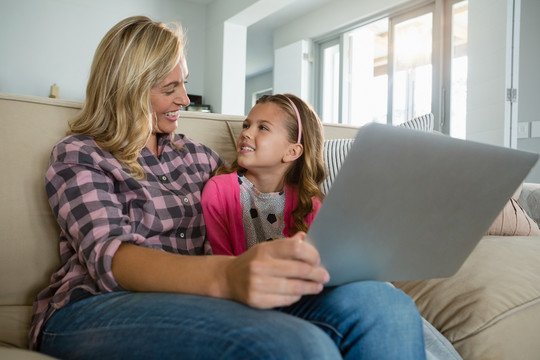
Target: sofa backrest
column 28, row 231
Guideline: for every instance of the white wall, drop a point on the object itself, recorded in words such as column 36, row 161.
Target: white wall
column 487, row 72
column 293, row 70
column 233, row 86
column 255, row 84
column 217, row 14
column 53, row 41
column 227, row 24
column 529, row 81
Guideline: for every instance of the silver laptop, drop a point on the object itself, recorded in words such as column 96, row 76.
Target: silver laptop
column 410, row 205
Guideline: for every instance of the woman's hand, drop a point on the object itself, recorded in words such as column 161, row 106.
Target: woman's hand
column 275, row 273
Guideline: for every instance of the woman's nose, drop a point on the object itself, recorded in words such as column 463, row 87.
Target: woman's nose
column 182, row 98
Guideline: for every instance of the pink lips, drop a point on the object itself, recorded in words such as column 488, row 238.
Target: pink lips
column 172, row 115
column 245, row 148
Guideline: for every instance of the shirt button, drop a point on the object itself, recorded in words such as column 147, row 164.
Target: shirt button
column 163, row 178
column 186, row 200
column 182, row 235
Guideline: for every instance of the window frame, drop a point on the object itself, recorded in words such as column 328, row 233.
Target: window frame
column 319, row 83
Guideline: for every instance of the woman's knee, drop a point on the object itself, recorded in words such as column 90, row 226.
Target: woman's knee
column 376, row 300
column 282, row 336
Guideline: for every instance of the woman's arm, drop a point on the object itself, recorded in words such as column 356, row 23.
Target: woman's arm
column 106, row 244
column 275, row 273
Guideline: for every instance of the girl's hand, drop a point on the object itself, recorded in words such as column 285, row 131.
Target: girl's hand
column 275, row 273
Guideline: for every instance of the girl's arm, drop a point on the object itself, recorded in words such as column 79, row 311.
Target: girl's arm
column 218, row 205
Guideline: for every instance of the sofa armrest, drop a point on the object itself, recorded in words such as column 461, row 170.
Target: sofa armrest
column 529, row 199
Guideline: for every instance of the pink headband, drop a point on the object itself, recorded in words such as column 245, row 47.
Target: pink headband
column 298, row 119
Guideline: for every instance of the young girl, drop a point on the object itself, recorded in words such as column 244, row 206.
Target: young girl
column 272, row 190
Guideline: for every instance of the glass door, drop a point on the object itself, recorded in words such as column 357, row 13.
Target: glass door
column 457, row 112
column 330, row 81
column 412, row 70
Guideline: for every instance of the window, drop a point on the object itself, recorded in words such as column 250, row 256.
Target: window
column 365, row 75
column 458, row 74
column 330, row 81
column 412, row 70
column 383, row 69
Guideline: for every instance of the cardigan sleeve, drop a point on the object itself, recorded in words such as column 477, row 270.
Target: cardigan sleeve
column 291, row 200
column 316, row 206
column 216, row 219
column 223, row 215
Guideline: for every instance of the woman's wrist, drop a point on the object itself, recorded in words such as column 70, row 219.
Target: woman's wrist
column 218, row 286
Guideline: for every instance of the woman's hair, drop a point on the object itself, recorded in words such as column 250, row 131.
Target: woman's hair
column 307, row 172
column 134, row 56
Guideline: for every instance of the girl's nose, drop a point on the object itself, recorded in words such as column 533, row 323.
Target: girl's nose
column 246, row 134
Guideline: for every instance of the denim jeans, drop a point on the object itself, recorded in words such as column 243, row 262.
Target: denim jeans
column 364, row 320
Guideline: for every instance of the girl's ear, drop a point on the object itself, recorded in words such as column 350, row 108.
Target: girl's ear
column 293, row 152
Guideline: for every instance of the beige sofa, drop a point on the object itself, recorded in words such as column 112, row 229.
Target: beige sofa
column 489, row 310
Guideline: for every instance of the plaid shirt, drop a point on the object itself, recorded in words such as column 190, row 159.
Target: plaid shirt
column 98, row 206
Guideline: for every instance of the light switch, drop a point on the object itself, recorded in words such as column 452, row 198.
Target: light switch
column 523, row 130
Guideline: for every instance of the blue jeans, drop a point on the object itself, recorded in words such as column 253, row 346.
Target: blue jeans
column 364, row 320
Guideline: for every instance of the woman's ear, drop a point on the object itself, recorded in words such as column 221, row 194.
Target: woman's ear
column 293, row 152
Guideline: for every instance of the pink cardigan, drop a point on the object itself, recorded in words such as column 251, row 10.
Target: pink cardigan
column 223, row 213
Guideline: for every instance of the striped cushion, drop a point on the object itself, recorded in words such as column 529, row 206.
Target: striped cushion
column 335, row 150
column 424, row 123
column 334, row 153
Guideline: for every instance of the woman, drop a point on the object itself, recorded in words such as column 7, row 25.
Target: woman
column 126, row 194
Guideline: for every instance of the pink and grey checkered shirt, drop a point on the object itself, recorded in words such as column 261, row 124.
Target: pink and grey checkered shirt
column 98, row 205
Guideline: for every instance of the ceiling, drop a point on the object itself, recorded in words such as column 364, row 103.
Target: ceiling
column 260, row 36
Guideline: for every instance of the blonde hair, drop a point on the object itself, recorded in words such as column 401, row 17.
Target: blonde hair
column 135, row 55
column 307, row 172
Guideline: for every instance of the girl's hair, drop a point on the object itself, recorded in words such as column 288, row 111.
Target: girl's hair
column 134, row 56
column 307, row 172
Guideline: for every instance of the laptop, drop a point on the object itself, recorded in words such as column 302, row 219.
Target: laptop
column 410, row 205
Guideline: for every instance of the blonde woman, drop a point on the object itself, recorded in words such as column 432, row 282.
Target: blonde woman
column 126, row 190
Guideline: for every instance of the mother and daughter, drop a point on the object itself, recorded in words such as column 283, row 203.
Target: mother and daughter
column 140, row 213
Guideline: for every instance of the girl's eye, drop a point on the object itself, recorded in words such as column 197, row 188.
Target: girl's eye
column 245, row 126
column 262, row 127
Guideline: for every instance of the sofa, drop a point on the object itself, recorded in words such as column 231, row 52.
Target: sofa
column 490, row 309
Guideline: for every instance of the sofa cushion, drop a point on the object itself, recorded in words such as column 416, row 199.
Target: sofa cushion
column 334, row 153
column 19, row 354
column 529, row 198
column 498, row 283
column 28, row 230
column 513, row 221
column 422, row 123
column 15, row 320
